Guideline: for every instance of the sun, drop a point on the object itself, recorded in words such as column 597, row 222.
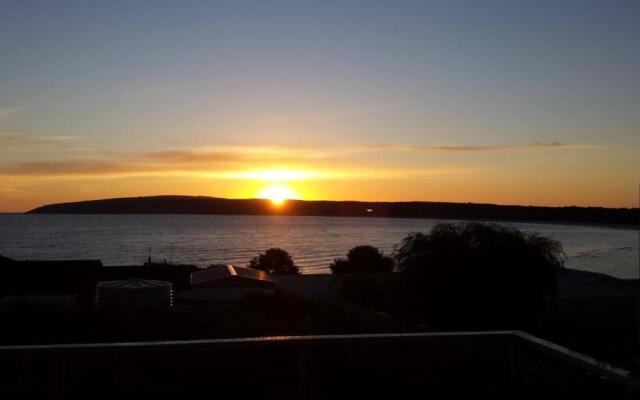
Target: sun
column 278, row 194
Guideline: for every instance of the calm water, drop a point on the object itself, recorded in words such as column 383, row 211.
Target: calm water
column 313, row 241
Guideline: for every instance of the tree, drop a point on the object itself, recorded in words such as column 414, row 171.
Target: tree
column 479, row 275
column 363, row 259
column 274, row 261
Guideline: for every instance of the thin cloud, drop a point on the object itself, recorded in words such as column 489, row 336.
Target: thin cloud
column 8, row 138
column 9, row 112
column 64, row 168
column 105, row 169
column 468, row 148
column 243, row 162
column 11, row 192
column 187, row 157
column 276, row 154
column 266, row 153
column 239, row 154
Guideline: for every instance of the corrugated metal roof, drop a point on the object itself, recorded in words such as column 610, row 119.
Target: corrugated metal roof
column 6, row 260
column 134, row 284
column 252, row 273
column 229, row 272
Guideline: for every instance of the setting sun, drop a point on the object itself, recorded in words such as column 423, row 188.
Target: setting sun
column 277, row 194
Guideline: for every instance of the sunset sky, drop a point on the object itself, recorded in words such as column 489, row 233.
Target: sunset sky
column 503, row 102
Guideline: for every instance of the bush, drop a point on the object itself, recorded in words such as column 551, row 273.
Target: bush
column 477, row 274
column 274, row 261
column 364, row 290
column 363, row 259
column 340, row 266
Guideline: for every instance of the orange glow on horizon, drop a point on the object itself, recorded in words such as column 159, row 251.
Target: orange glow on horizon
column 279, row 175
column 331, row 181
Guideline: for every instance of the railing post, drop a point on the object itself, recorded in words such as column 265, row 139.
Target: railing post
column 56, row 366
column 303, row 371
column 513, row 366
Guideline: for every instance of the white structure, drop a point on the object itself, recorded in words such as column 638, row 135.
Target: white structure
column 134, row 293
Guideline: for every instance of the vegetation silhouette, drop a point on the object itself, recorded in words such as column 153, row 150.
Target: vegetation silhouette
column 363, row 259
column 275, row 261
column 478, row 275
column 360, row 275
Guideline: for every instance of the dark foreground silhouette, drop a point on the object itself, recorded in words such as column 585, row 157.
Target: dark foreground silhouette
column 212, row 205
column 458, row 277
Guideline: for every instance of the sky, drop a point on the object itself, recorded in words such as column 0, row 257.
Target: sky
column 506, row 102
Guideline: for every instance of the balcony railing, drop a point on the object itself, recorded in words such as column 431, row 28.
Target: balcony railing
column 501, row 364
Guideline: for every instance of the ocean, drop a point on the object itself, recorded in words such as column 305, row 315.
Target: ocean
column 229, row 239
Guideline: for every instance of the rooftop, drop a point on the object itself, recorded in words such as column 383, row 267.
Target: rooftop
column 231, row 274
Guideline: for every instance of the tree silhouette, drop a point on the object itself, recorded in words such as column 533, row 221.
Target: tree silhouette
column 274, row 261
column 479, row 274
column 363, row 259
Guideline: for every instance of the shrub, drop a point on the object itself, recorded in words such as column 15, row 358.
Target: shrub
column 364, row 290
column 274, row 261
column 479, row 274
column 340, row 266
column 363, row 259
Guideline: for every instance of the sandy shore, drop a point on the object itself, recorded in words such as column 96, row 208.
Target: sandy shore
column 572, row 284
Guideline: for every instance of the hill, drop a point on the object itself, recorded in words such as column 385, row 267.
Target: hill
column 438, row 210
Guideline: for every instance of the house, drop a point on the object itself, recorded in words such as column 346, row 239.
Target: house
column 232, row 276
column 226, row 284
column 49, row 278
column 6, row 260
column 178, row 274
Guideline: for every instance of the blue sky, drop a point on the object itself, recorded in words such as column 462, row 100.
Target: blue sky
column 103, row 82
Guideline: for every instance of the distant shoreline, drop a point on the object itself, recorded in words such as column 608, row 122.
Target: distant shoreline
column 198, row 205
column 497, row 221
